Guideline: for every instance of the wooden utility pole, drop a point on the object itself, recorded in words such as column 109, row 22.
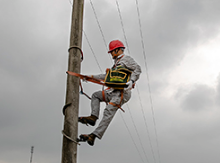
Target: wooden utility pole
column 70, row 110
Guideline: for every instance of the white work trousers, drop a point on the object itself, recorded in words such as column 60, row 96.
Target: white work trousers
column 110, row 110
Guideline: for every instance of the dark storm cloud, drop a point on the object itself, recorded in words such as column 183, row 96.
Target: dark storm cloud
column 34, row 45
column 33, row 60
column 199, row 98
column 175, row 26
column 169, row 29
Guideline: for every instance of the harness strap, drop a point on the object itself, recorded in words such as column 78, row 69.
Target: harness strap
column 103, row 95
column 118, row 61
column 82, row 92
column 91, row 79
column 111, row 103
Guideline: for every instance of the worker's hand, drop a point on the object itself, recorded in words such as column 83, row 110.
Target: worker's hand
column 129, row 84
column 85, row 79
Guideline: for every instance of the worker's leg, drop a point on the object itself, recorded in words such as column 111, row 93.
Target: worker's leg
column 97, row 97
column 110, row 110
column 108, row 114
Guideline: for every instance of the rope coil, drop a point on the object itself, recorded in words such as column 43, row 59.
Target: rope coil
column 69, row 138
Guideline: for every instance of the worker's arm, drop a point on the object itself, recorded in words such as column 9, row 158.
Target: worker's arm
column 100, row 76
column 130, row 63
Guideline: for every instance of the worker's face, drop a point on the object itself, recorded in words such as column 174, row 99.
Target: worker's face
column 116, row 53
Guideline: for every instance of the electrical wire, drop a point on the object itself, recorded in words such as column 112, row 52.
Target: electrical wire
column 101, row 70
column 145, row 121
column 136, row 85
column 92, row 51
column 70, row 2
column 127, row 106
column 129, row 52
column 119, row 11
column 137, row 132
column 149, row 88
column 121, row 20
column 132, row 138
column 103, row 37
column 98, row 23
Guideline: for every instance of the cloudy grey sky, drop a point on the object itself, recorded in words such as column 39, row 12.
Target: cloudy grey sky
column 181, row 40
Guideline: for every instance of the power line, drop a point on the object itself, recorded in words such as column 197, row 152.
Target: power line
column 132, row 138
column 100, row 68
column 137, row 133
column 137, row 87
column 98, row 23
column 145, row 121
column 121, row 115
column 101, row 71
column 122, row 26
column 92, row 51
column 70, row 2
column 103, row 37
column 145, row 59
column 120, row 16
column 127, row 106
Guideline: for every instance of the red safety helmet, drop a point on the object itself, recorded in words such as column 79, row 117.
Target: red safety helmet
column 114, row 45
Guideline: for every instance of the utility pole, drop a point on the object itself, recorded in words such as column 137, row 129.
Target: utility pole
column 71, row 108
column 32, row 151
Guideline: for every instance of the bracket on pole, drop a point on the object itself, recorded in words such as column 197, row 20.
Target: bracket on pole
column 77, row 47
column 65, row 106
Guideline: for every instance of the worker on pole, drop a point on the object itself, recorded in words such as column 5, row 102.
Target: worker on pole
column 115, row 97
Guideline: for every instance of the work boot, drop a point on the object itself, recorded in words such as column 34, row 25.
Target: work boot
column 88, row 120
column 89, row 138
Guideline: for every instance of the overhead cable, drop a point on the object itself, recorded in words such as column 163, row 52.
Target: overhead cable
column 145, row 58
column 137, row 87
column 70, row 2
column 99, row 66
column 103, row 37
column 132, row 138
column 92, row 51
column 137, row 133
column 122, row 26
column 101, row 70
column 145, row 121
column 120, row 16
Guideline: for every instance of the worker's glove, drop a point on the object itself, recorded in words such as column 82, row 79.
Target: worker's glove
column 84, row 80
column 129, row 84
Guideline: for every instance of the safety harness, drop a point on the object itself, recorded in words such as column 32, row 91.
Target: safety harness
column 116, row 78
